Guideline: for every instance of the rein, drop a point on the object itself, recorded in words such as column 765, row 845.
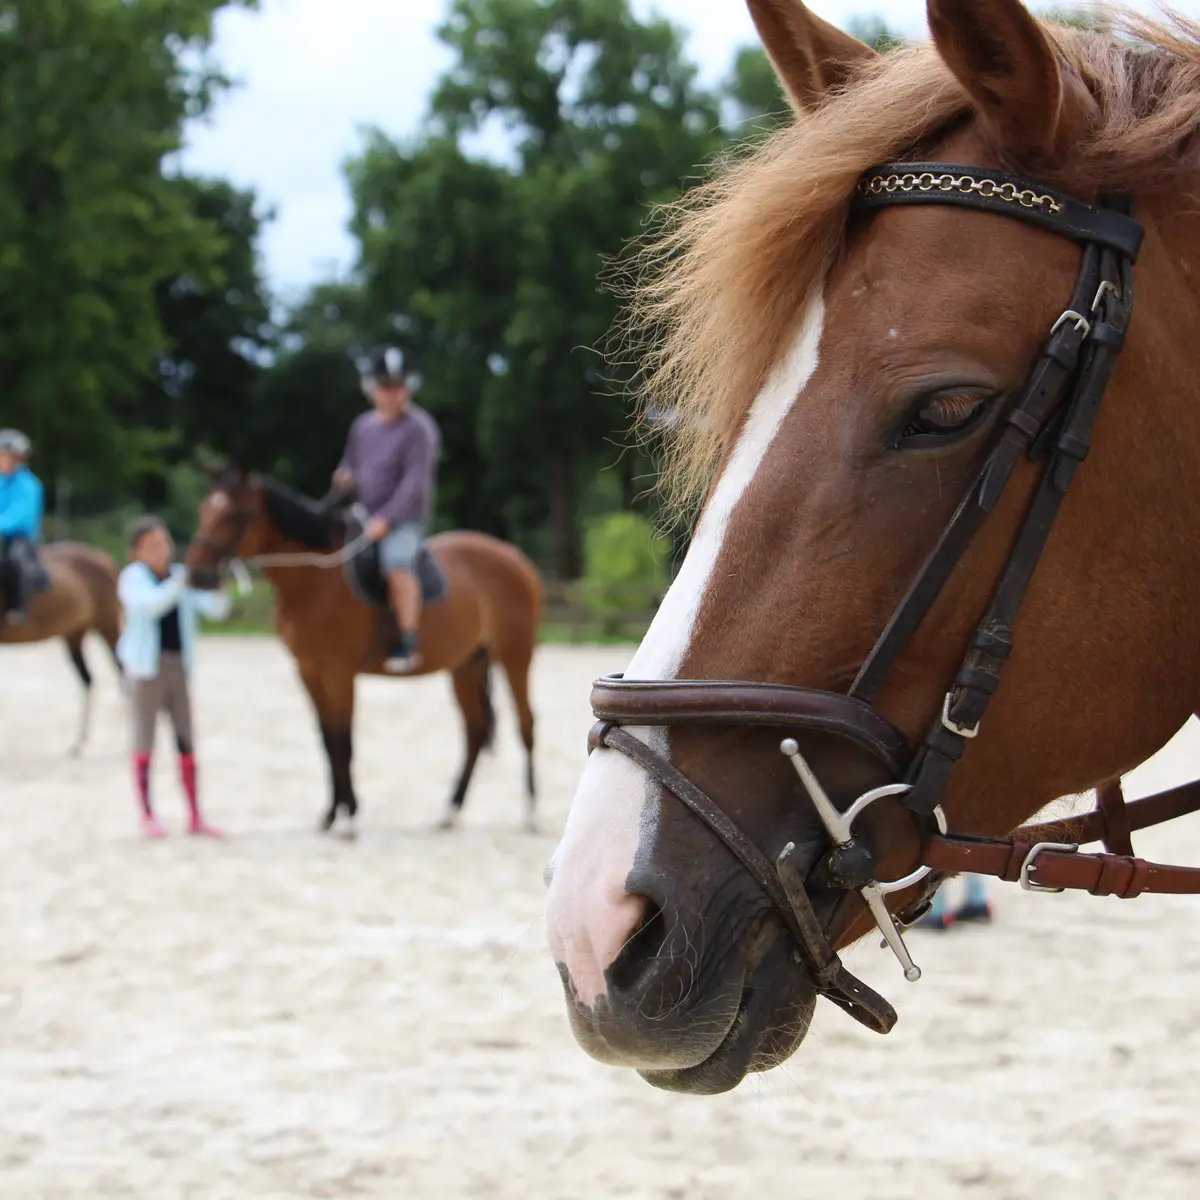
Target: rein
column 309, row 558
column 241, row 567
column 1051, row 424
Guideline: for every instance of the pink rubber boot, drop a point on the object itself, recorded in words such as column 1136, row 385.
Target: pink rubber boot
column 197, row 825
column 141, row 779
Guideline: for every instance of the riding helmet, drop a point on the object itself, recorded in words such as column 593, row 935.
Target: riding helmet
column 389, row 365
column 15, row 442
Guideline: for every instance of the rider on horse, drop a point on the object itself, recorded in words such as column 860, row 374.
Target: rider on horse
column 21, row 505
column 389, row 462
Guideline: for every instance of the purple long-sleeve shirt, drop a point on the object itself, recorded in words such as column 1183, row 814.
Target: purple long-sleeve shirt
column 394, row 464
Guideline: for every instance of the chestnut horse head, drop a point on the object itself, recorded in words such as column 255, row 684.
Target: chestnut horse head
column 878, row 377
column 245, row 515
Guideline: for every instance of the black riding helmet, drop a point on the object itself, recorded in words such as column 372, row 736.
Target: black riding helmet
column 389, row 365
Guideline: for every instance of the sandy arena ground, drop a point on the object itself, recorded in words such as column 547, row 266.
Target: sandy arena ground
column 286, row 1016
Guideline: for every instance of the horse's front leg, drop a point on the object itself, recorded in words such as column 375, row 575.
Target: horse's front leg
column 332, row 693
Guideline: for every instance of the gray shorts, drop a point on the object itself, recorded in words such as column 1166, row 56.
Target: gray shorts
column 166, row 692
column 398, row 551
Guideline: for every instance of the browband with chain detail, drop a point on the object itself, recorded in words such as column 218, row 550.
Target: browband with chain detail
column 1007, row 195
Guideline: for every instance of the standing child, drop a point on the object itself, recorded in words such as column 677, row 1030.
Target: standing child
column 157, row 650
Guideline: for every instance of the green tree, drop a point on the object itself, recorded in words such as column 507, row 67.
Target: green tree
column 626, row 566
column 307, row 398
column 218, row 331
column 492, row 269
column 753, row 93
column 440, row 235
column 93, row 97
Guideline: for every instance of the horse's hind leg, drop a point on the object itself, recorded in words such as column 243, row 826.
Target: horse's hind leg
column 109, row 628
column 516, row 668
column 74, row 643
column 471, row 690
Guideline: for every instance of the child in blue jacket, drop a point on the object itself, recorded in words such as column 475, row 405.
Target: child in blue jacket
column 21, row 505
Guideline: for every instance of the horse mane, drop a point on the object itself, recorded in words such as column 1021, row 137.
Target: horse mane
column 298, row 518
column 716, row 291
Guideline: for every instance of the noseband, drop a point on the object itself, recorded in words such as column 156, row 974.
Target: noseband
column 1052, row 424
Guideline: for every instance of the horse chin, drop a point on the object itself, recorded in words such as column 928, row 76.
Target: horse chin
column 771, row 1021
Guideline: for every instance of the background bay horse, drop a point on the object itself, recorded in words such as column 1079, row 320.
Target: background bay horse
column 490, row 613
column 842, row 372
column 82, row 599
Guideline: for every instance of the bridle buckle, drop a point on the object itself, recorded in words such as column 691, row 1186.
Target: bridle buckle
column 1082, row 324
column 1031, row 861
column 963, row 731
column 1106, row 287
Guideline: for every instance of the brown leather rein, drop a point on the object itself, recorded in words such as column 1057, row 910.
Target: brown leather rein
column 1052, row 423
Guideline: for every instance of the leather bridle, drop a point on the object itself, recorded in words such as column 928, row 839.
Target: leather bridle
column 1050, row 423
column 224, row 549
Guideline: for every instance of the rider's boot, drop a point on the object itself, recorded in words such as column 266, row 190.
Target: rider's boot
column 405, row 655
column 17, row 612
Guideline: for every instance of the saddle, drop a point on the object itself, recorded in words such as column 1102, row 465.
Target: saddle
column 365, row 575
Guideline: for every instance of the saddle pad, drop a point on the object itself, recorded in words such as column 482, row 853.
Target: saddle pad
column 368, row 582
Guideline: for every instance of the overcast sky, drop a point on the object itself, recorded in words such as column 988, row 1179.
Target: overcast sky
column 312, row 73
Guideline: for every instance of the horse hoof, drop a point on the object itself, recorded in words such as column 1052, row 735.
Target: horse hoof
column 75, row 752
column 447, row 823
column 529, row 825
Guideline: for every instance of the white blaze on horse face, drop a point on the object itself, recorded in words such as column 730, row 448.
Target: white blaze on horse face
column 670, row 634
column 212, row 508
column 589, row 914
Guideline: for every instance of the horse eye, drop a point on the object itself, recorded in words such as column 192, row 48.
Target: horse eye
column 941, row 417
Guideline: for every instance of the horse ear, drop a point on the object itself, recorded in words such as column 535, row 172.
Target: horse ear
column 1033, row 103
column 809, row 55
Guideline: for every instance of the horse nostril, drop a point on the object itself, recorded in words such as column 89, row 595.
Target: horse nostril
column 640, row 951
